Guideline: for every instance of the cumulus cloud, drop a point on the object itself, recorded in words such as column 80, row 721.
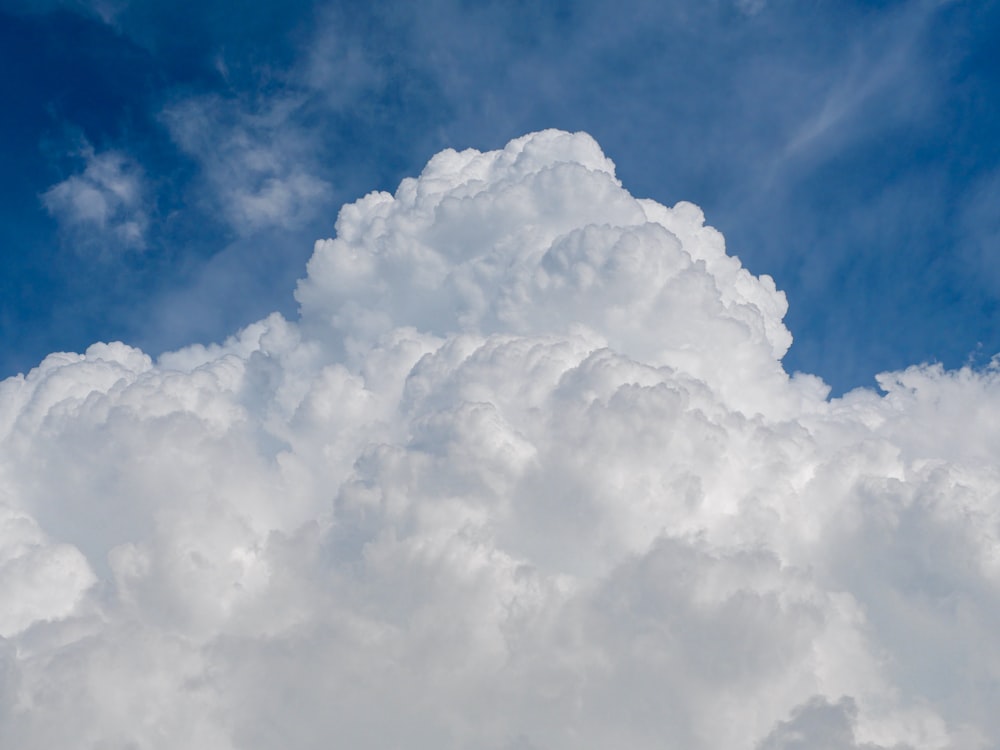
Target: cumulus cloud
column 526, row 473
column 104, row 208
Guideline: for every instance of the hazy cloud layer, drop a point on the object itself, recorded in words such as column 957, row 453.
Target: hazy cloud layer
column 251, row 160
column 104, row 208
column 527, row 473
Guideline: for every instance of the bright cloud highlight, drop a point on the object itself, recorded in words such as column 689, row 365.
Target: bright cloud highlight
column 527, row 473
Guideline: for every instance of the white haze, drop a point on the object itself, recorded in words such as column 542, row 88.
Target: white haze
column 526, row 475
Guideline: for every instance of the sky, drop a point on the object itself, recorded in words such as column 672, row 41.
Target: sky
column 166, row 167
column 499, row 377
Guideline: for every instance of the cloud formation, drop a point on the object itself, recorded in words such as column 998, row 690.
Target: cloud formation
column 526, row 473
column 252, row 161
column 104, row 208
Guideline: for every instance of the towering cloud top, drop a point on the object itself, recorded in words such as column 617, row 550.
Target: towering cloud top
column 527, row 473
column 541, row 238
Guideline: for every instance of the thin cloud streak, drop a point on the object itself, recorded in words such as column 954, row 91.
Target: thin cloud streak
column 883, row 64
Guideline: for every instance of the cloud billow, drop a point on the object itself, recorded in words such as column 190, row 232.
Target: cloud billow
column 526, row 473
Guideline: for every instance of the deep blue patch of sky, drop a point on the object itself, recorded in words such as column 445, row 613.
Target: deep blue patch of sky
column 846, row 148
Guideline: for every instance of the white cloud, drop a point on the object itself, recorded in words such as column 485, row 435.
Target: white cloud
column 264, row 159
column 255, row 163
column 526, row 474
column 38, row 580
column 104, row 208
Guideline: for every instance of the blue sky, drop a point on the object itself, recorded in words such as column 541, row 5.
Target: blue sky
column 166, row 167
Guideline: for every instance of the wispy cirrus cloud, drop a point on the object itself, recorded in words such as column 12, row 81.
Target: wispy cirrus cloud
column 104, row 209
column 883, row 69
column 256, row 163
